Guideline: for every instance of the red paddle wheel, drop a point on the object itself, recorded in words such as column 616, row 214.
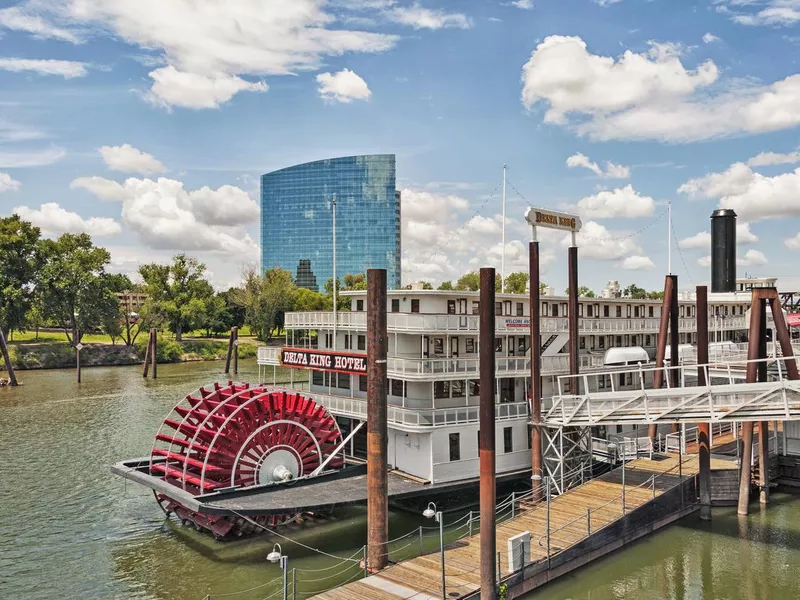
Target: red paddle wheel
column 237, row 435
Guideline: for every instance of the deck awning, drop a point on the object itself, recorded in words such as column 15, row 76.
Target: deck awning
column 793, row 319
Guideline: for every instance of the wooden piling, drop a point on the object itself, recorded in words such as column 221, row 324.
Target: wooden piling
column 486, row 437
column 231, row 337
column 377, row 428
column 154, row 350
column 661, row 345
column 235, row 332
column 537, row 463
column 78, row 360
column 148, row 348
column 572, row 318
column 703, row 429
column 12, row 378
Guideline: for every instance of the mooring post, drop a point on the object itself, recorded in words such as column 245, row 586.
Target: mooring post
column 763, row 461
column 78, row 347
column 154, row 351
column 753, row 354
column 147, row 350
column 377, row 431
column 572, row 303
column 486, row 436
column 661, row 346
column 235, row 332
column 230, row 352
column 536, row 372
column 703, row 429
column 12, row 378
column 421, row 545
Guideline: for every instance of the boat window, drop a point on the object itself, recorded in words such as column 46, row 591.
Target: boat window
column 451, row 307
column 344, row 381
column 628, row 312
column 470, row 345
column 474, row 387
column 650, row 311
column 619, row 311
column 498, row 308
column 362, row 342
column 317, row 378
column 438, row 346
column 589, row 310
column 522, row 347
column 633, row 340
column 621, row 379
column 362, row 383
column 605, row 310
column 395, row 304
column 498, row 345
column 601, row 341
column 580, row 310
column 415, row 305
column 396, row 387
column 359, row 305
column 544, row 309
column 602, row 383
column 507, row 305
column 647, row 341
column 458, row 389
column 555, row 310
column 455, row 447
column 583, row 342
column 508, row 439
column 476, row 307
column 636, row 311
column 441, row 389
column 520, row 309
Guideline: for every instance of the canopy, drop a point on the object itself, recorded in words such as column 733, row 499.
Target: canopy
column 793, row 319
column 623, row 356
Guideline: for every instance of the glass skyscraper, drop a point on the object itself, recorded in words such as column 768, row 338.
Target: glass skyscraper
column 297, row 219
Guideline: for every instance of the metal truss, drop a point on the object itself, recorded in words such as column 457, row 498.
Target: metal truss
column 567, row 456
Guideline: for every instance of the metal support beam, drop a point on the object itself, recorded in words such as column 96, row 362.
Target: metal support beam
column 573, row 317
column 703, row 429
column 486, row 437
column 377, row 428
column 536, row 375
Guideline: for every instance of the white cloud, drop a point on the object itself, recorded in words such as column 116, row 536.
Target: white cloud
column 752, row 258
column 172, row 87
column 702, row 240
column 167, row 217
column 128, row 159
column 596, row 242
column 766, row 159
column 637, row 263
column 709, row 38
column 210, row 47
column 418, row 17
column 523, row 4
column 793, row 243
column 752, row 195
column 650, row 95
column 777, row 13
column 7, row 184
column 606, row 2
column 344, row 86
column 65, row 68
column 612, row 171
column 623, row 202
column 35, row 158
column 704, row 261
column 54, row 221
column 17, row 18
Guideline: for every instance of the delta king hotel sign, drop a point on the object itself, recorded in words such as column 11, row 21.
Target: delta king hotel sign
column 540, row 217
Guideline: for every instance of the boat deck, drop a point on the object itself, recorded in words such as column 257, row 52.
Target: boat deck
column 420, row 578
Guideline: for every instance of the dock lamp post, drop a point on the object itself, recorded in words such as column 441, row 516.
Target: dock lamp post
column 277, row 556
column 432, row 513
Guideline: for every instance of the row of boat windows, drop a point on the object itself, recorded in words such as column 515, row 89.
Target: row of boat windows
column 508, row 443
column 555, row 309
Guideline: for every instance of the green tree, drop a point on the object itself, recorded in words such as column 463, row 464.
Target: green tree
column 216, row 318
column 445, row 285
column 656, row 295
column 177, row 293
column 341, row 303
column 306, row 300
column 236, row 311
column 355, row 282
column 516, row 283
column 76, row 290
column 469, row 281
column 427, row 285
column 635, row 292
column 266, row 299
column 583, row 292
column 20, row 260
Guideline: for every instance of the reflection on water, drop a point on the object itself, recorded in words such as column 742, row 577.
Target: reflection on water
column 730, row 558
column 69, row 529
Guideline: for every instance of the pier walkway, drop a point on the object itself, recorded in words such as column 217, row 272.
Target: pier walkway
column 573, row 517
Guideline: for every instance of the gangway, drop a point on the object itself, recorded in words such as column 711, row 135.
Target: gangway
column 723, row 400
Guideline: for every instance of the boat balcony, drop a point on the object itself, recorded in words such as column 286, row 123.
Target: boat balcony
column 438, row 323
column 420, row 419
column 430, row 369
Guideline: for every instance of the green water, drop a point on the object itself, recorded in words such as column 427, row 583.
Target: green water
column 69, row 529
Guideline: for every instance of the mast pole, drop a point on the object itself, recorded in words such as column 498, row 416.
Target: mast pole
column 335, row 295
column 669, row 237
column 503, row 241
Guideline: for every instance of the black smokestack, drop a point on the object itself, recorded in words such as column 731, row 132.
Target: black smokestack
column 723, row 251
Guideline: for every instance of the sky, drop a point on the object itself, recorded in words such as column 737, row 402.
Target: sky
column 148, row 123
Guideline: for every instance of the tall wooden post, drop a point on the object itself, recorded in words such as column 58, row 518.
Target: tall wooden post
column 148, row 349
column 78, row 360
column 12, row 378
column 154, row 350
column 573, row 315
column 536, row 375
column 230, row 352
column 486, row 436
column 661, row 344
column 703, row 429
column 377, row 429
column 235, row 332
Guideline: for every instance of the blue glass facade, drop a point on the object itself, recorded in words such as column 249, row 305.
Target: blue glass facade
column 297, row 219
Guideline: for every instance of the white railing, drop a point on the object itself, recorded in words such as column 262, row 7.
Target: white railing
column 269, row 355
column 425, row 417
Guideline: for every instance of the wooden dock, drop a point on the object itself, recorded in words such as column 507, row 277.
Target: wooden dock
column 420, row 578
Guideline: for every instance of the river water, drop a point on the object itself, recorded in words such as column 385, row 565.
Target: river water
column 69, row 529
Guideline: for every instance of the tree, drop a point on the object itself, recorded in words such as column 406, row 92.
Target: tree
column 216, row 317
column 635, row 292
column 266, row 299
column 472, row 282
column 516, row 283
column 20, row 260
column 446, row 285
column 542, row 286
column 305, row 300
column 236, row 311
column 177, row 292
column 583, row 292
column 341, row 303
column 76, row 290
column 355, row 282
column 656, row 295
column 427, row 285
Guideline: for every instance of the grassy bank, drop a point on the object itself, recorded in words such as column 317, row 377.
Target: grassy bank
column 59, row 354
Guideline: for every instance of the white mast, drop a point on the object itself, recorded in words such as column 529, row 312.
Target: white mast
column 503, row 250
column 669, row 237
column 334, row 273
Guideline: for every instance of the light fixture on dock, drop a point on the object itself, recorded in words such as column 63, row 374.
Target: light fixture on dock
column 277, row 556
column 431, row 513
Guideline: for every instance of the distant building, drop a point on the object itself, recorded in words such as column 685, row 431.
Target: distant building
column 131, row 301
column 297, row 219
